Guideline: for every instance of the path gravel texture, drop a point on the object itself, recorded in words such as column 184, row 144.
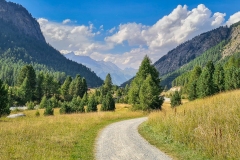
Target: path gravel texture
column 121, row 141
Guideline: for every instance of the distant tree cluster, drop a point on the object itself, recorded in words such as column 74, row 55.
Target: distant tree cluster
column 212, row 79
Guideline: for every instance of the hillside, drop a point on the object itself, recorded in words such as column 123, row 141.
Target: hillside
column 219, row 53
column 191, row 49
column 102, row 68
column 22, row 42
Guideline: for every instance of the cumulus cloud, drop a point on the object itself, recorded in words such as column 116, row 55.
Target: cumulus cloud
column 233, row 19
column 168, row 32
column 66, row 21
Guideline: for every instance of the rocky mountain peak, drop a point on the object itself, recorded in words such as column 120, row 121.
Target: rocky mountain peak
column 21, row 18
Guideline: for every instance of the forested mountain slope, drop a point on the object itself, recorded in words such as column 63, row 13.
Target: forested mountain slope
column 22, row 42
column 191, row 49
column 218, row 54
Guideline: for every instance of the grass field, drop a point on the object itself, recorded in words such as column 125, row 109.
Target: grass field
column 203, row 129
column 56, row 137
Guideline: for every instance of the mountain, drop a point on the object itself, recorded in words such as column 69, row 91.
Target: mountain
column 22, row 42
column 216, row 45
column 228, row 39
column 102, row 68
column 191, row 49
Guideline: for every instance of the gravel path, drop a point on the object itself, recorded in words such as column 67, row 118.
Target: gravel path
column 121, row 141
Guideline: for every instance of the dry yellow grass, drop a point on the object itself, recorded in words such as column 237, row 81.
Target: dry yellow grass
column 210, row 127
column 55, row 137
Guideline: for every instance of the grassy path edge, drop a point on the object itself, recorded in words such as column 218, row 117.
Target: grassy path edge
column 165, row 144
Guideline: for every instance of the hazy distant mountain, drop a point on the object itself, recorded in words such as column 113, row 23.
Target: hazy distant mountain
column 102, row 68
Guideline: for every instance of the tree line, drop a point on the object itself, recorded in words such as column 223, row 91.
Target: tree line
column 45, row 91
column 72, row 95
column 212, row 79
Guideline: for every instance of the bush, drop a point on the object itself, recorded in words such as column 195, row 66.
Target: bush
column 49, row 109
column 30, row 105
column 37, row 114
column 175, row 99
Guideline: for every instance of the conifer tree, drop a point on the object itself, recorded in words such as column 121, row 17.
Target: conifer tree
column 218, row 78
column 39, row 87
column 175, row 99
column 29, row 73
column 65, row 89
column 205, row 85
column 150, row 95
column 92, row 104
column 107, row 86
column 4, row 105
column 49, row 109
column 192, row 84
column 44, row 102
column 108, row 103
column 25, row 92
column 144, row 71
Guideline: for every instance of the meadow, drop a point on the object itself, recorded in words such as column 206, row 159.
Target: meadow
column 56, row 137
column 202, row 129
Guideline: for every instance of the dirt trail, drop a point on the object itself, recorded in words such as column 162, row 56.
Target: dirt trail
column 121, row 141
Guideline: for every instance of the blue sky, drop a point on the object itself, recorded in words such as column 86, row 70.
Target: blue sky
column 124, row 31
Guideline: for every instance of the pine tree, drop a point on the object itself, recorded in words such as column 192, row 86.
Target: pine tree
column 108, row 103
column 39, row 87
column 80, row 106
column 4, row 103
column 218, row 78
column 176, row 99
column 92, row 104
column 49, row 111
column 107, row 86
column 25, row 91
column 65, row 89
column 44, row 102
column 85, row 99
column 205, row 85
column 144, row 71
column 192, row 84
column 29, row 73
column 150, row 95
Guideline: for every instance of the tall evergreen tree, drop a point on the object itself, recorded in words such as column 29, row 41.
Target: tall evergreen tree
column 150, row 95
column 108, row 103
column 107, row 86
column 218, row 78
column 144, row 71
column 205, row 85
column 29, row 73
column 25, row 92
column 39, row 87
column 65, row 89
column 192, row 84
column 4, row 103
column 92, row 104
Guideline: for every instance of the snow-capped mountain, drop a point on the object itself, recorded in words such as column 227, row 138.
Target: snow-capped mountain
column 102, row 68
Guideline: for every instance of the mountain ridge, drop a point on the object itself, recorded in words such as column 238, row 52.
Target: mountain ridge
column 16, row 45
column 102, row 68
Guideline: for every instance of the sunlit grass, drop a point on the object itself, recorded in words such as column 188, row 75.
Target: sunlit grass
column 203, row 129
column 56, row 137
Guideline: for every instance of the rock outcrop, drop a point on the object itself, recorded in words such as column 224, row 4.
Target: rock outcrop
column 21, row 18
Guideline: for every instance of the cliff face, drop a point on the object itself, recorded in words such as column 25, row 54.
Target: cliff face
column 20, row 18
column 191, row 49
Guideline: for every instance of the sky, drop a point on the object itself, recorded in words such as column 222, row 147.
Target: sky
column 124, row 31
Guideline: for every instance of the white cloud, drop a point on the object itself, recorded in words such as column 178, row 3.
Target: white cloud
column 168, row 32
column 66, row 21
column 233, row 19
